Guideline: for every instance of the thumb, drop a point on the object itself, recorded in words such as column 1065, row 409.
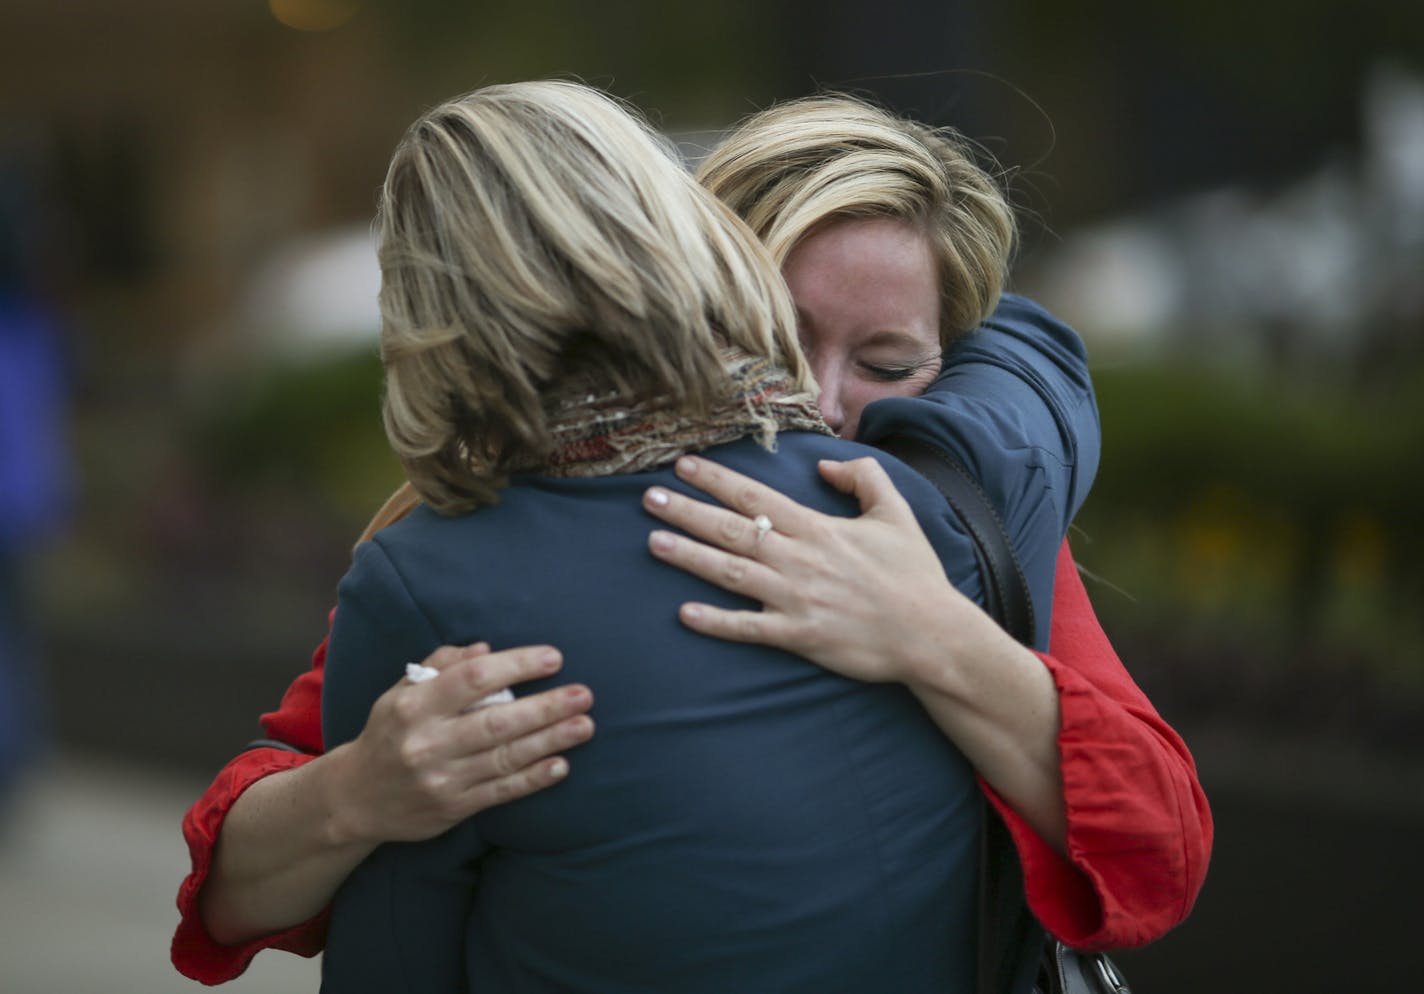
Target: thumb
column 866, row 480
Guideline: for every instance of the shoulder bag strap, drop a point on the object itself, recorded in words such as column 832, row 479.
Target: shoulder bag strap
column 1006, row 596
column 1010, row 940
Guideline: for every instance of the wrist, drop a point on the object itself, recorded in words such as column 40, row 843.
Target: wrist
column 930, row 643
column 345, row 824
column 950, row 639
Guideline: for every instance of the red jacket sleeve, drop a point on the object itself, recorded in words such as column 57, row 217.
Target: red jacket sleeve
column 297, row 722
column 1139, row 828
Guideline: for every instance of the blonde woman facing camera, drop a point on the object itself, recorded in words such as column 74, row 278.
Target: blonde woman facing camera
column 565, row 314
column 895, row 246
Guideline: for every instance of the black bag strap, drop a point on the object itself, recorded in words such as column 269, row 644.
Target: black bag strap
column 1010, row 940
column 1006, row 596
column 275, row 744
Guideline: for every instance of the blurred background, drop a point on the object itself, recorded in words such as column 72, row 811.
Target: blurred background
column 1226, row 199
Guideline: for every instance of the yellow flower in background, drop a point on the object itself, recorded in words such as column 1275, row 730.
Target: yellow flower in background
column 314, row 15
column 1233, row 556
column 1360, row 552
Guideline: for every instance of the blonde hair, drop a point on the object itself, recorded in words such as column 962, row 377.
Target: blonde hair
column 539, row 242
column 401, row 502
column 799, row 164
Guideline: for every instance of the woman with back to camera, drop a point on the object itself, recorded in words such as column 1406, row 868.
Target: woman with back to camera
column 565, row 313
column 1130, row 872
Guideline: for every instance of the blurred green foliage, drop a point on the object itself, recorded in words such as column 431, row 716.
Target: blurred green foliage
column 1272, row 518
column 310, row 430
column 699, row 63
column 1279, row 513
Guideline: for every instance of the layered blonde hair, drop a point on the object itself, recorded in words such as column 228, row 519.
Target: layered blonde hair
column 539, row 242
column 799, row 164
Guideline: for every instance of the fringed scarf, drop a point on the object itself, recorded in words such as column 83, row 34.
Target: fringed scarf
column 600, row 435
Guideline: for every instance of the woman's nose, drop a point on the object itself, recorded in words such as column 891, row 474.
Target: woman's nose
column 832, row 408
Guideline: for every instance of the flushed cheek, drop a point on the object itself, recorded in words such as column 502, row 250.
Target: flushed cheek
column 854, row 402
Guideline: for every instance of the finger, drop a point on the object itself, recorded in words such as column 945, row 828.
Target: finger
column 728, row 570
column 448, row 655
column 746, row 496
column 760, row 627
column 474, row 677
column 725, row 529
column 412, row 702
column 487, row 728
column 517, row 754
column 866, row 480
column 502, row 790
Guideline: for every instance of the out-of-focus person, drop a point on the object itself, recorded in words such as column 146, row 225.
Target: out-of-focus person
column 34, row 468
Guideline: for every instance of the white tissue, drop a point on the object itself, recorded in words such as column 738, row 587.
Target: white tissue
column 416, row 673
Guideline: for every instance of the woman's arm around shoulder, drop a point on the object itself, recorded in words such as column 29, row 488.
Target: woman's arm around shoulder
column 903, row 621
column 277, row 831
column 1068, row 748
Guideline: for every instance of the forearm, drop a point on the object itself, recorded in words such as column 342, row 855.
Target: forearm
column 1139, row 826
column 998, row 703
column 284, row 849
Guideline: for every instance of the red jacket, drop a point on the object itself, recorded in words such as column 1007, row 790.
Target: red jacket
column 1139, row 829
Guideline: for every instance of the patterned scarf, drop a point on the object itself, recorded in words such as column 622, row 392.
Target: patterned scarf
column 600, row 435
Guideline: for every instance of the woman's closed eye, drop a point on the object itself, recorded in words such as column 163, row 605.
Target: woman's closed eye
column 892, row 372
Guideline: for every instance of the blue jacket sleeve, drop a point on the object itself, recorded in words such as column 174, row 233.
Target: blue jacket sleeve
column 398, row 921
column 1015, row 404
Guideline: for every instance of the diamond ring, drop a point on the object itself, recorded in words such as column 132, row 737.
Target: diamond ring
column 763, row 525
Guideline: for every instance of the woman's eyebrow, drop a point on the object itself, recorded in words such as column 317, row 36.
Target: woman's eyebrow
column 898, row 339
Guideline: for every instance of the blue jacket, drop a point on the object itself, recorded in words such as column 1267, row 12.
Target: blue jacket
column 743, row 820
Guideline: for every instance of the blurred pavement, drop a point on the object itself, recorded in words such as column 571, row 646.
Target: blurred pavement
column 90, row 861
column 1314, row 851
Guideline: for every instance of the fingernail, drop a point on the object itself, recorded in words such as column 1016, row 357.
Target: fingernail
column 692, row 612
column 658, row 497
column 550, row 659
column 576, row 694
column 662, row 541
column 687, row 467
column 559, row 769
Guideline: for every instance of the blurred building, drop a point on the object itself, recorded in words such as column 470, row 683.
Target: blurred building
column 187, row 139
column 1324, row 268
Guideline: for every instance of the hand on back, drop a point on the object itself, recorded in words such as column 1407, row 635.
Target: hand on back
column 848, row 593
column 430, row 757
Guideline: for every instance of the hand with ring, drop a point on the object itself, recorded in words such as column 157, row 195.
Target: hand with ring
column 847, row 593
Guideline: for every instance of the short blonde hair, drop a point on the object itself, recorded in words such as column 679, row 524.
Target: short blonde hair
column 537, row 242
column 799, row 164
